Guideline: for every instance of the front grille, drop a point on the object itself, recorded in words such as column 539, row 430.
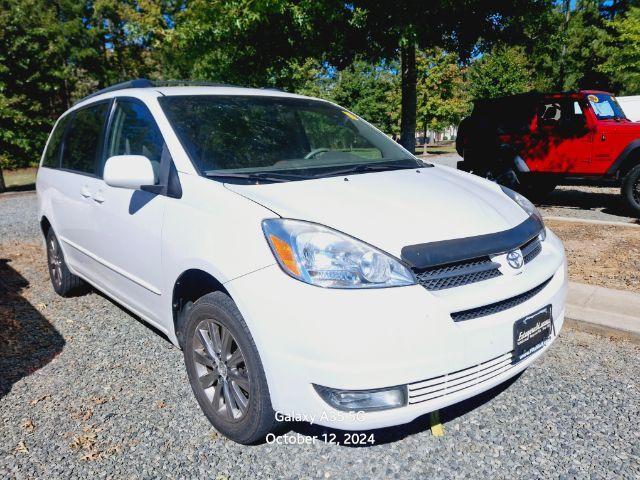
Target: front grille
column 457, row 274
column 531, row 249
column 450, row 383
column 500, row 306
column 470, row 271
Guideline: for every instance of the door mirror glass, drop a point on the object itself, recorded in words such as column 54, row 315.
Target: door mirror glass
column 128, row 171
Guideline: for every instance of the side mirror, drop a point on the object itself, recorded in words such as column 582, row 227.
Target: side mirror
column 128, row 171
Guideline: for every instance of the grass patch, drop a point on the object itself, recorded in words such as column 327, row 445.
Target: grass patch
column 20, row 179
column 437, row 149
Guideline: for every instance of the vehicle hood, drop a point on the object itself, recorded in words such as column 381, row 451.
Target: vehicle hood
column 394, row 209
column 629, row 126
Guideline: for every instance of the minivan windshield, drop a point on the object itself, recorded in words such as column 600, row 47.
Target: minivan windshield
column 249, row 138
column 605, row 106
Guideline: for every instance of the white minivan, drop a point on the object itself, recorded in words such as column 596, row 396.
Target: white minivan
column 307, row 265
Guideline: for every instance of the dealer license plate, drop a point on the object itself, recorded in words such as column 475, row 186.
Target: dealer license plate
column 531, row 333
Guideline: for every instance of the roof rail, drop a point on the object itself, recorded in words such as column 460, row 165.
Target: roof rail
column 137, row 83
column 146, row 83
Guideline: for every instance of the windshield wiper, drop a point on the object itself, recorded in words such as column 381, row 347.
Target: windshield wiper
column 256, row 176
column 371, row 167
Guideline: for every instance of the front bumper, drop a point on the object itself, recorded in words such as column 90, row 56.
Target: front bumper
column 368, row 339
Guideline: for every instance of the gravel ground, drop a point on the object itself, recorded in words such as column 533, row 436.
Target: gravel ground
column 603, row 255
column 88, row 391
column 576, row 201
column 18, row 217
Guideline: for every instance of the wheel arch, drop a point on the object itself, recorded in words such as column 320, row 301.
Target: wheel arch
column 45, row 225
column 629, row 158
column 189, row 287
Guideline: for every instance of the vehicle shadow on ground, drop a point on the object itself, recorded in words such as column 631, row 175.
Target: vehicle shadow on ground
column 610, row 203
column 133, row 315
column 393, row 434
column 27, row 340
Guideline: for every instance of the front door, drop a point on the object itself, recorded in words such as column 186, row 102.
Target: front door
column 127, row 237
column 562, row 141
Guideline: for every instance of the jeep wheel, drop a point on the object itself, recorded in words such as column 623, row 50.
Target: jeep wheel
column 631, row 189
column 536, row 189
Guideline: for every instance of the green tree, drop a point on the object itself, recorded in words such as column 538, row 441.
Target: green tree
column 504, row 71
column 623, row 59
column 30, row 78
column 389, row 28
column 371, row 91
column 255, row 43
column 586, row 38
column 441, row 95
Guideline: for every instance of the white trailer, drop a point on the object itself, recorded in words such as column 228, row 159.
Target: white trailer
column 631, row 107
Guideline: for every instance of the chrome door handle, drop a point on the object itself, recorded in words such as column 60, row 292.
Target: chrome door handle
column 603, row 137
column 98, row 198
column 84, row 191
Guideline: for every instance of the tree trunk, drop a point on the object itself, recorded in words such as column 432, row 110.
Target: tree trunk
column 3, row 187
column 563, row 51
column 424, row 146
column 408, row 117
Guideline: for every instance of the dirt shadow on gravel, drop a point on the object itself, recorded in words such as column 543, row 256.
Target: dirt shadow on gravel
column 394, row 434
column 610, row 203
column 27, row 340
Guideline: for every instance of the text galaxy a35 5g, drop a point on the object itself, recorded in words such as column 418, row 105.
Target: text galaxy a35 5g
column 304, row 262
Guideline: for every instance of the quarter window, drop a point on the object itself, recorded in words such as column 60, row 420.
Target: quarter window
column 82, row 142
column 135, row 132
column 52, row 154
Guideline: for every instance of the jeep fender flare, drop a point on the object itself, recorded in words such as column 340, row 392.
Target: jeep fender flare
column 629, row 157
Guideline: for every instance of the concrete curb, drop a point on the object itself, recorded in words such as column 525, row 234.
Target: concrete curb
column 604, row 311
column 17, row 194
column 589, row 221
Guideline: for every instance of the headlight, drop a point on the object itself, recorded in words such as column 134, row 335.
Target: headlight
column 324, row 257
column 528, row 207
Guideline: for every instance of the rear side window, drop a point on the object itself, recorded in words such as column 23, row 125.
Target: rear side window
column 52, row 154
column 134, row 132
column 82, row 142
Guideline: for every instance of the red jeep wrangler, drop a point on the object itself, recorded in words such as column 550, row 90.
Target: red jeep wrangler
column 533, row 142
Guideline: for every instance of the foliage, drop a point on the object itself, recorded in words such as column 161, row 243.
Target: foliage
column 54, row 52
column 254, row 43
column 371, row 91
column 505, row 71
column 586, row 41
column 623, row 59
column 30, row 69
column 442, row 96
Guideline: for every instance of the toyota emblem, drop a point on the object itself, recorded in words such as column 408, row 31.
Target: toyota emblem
column 515, row 260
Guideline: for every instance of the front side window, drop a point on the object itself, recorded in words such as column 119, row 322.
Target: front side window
column 254, row 134
column 82, row 141
column 52, row 154
column 135, row 132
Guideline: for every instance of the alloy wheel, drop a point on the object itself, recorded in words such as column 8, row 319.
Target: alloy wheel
column 55, row 262
column 221, row 370
column 636, row 191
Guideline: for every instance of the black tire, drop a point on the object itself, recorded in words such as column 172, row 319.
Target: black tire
column 536, row 189
column 631, row 189
column 460, row 135
column 462, row 166
column 65, row 283
column 243, row 380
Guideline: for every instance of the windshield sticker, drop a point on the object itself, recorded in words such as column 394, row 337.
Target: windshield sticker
column 350, row 115
column 593, row 99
